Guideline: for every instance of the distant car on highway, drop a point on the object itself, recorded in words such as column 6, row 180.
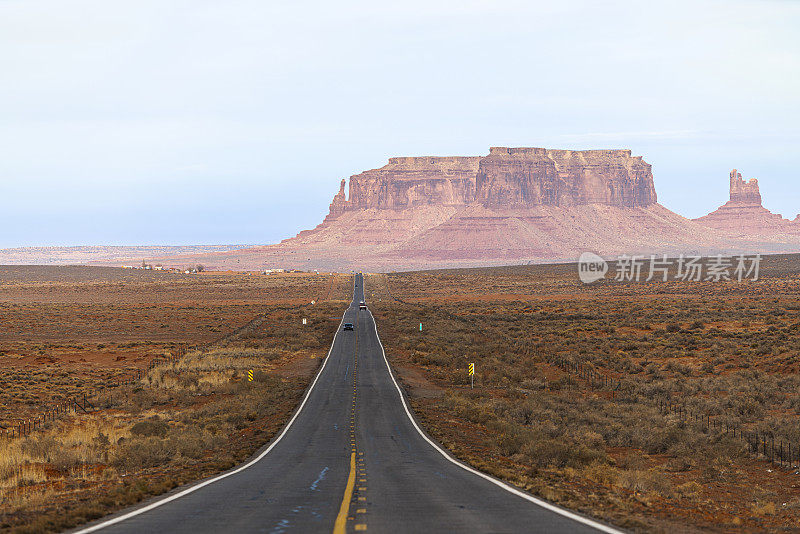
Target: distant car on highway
column 362, row 305
column 348, row 326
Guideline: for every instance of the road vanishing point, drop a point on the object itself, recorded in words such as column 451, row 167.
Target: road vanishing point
column 351, row 459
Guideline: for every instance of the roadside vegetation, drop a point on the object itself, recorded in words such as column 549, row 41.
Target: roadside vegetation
column 182, row 421
column 726, row 350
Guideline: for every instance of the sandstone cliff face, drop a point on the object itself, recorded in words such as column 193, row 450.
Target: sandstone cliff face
column 415, row 181
column 743, row 214
column 744, row 193
column 527, row 177
column 507, row 177
column 338, row 204
column 516, row 205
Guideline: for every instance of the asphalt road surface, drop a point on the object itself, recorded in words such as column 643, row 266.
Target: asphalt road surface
column 351, row 460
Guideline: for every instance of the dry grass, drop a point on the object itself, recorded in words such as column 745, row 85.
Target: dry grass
column 727, row 350
column 183, row 421
column 70, row 329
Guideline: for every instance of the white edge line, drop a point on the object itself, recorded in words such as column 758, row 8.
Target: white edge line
column 544, row 504
column 205, row 483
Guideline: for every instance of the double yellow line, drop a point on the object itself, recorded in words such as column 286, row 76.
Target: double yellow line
column 340, row 527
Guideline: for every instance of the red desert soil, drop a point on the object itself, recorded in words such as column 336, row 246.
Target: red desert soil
column 726, row 350
column 99, row 324
column 75, row 331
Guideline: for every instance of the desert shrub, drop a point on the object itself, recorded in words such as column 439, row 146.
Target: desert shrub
column 763, row 508
column 602, row 473
column 40, row 448
column 547, row 452
column 150, row 451
column 707, row 367
column 510, row 441
column 135, row 454
column 641, row 481
column 150, row 427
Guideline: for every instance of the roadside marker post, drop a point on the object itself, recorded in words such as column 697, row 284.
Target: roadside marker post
column 250, row 375
column 472, row 375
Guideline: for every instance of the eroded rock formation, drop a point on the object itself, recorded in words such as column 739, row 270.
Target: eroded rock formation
column 339, row 202
column 744, row 214
column 414, row 181
column 527, row 177
column 507, row 177
column 744, row 193
column 514, row 205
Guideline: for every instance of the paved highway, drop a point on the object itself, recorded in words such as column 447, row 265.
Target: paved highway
column 351, row 460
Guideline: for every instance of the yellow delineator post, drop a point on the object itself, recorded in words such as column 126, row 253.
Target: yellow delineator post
column 472, row 375
column 250, row 375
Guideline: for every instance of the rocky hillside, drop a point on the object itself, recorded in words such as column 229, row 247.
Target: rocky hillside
column 514, row 205
column 744, row 214
column 507, row 178
column 529, row 177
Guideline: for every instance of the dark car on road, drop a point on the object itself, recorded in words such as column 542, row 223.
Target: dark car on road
column 348, row 326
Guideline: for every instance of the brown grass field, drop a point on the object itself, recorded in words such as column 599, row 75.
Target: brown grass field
column 69, row 331
column 725, row 350
column 728, row 350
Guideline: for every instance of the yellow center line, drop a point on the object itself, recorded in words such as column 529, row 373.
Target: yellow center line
column 340, row 526
column 341, row 520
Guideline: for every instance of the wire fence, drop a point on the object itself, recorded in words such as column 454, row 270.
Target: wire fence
column 593, row 378
column 24, row 427
column 81, row 404
column 778, row 451
column 766, row 444
column 782, row 452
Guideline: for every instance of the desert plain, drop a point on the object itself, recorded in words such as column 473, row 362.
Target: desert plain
column 569, row 398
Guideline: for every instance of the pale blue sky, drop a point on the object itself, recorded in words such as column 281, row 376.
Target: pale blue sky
column 177, row 122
